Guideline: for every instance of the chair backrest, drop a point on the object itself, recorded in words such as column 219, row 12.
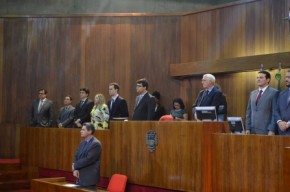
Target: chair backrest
column 166, row 118
column 117, row 183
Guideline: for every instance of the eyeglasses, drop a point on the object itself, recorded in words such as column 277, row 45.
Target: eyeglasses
column 139, row 86
column 41, row 93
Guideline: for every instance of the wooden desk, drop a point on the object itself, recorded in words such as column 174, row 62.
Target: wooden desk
column 181, row 161
column 57, row 184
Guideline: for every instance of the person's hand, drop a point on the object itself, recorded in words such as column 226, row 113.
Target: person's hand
column 59, row 125
column 78, row 123
column 271, row 133
column 73, row 167
column 248, row 132
column 283, row 125
column 76, row 173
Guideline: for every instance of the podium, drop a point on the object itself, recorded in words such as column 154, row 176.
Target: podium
column 58, row 184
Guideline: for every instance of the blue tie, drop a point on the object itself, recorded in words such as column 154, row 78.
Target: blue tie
column 82, row 102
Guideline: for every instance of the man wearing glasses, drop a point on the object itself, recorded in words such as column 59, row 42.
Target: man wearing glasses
column 145, row 103
column 41, row 111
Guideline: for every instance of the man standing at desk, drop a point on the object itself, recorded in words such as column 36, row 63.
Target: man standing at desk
column 262, row 107
column 86, row 166
column 145, row 103
column 41, row 111
column 283, row 108
column 117, row 105
column 209, row 96
column 83, row 109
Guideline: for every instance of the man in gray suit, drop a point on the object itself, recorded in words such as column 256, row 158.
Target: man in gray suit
column 283, row 108
column 262, row 107
column 66, row 114
column 41, row 111
column 86, row 166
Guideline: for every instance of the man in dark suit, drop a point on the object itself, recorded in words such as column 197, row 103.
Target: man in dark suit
column 87, row 162
column 145, row 103
column 66, row 114
column 117, row 105
column 261, row 107
column 83, row 108
column 282, row 117
column 159, row 110
column 41, row 111
column 210, row 95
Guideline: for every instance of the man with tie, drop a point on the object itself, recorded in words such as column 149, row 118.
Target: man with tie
column 282, row 117
column 41, row 111
column 83, row 108
column 66, row 114
column 145, row 103
column 87, row 163
column 210, row 95
column 117, row 105
column 262, row 107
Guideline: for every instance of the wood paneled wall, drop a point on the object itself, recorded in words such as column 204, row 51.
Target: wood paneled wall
column 247, row 29
column 1, row 68
column 9, row 140
column 64, row 54
column 249, row 163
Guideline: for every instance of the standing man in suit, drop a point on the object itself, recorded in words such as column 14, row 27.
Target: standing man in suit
column 66, row 113
column 117, row 105
column 209, row 96
column 41, row 111
column 282, row 116
column 83, row 108
column 87, row 162
column 145, row 103
column 262, row 107
column 159, row 110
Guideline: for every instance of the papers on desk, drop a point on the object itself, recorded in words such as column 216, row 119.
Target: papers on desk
column 71, row 185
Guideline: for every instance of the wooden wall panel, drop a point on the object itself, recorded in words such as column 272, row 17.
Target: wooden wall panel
column 248, row 163
column 1, row 68
column 9, row 140
column 235, row 31
column 64, row 54
column 181, row 160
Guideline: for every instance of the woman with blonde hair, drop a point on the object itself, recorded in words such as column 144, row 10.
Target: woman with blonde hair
column 100, row 112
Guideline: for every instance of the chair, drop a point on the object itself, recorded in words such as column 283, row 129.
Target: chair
column 117, row 183
column 166, row 118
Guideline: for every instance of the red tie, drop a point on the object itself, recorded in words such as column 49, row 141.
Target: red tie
column 259, row 96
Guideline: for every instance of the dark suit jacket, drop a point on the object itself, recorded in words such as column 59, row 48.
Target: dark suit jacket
column 66, row 116
column 88, row 162
column 84, row 112
column 159, row 112
column 119, row 108
column 214, row 98
column 44, row 117
column 283, row 110
column 145, row 109
column 260, row 118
